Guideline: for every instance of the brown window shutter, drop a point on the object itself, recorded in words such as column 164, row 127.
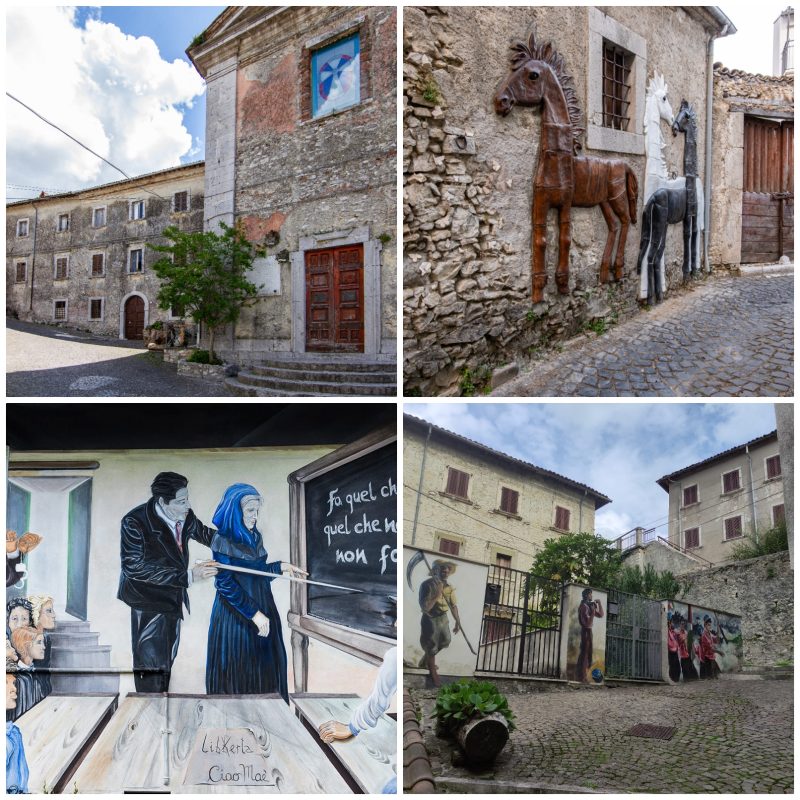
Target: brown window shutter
column 730, row 481
column 449, row 547
column 562, row 518
column 773, row 466
column 778, row 514
column 691, row 538
column 457, row 482
column 733, row 527
column 690, row 495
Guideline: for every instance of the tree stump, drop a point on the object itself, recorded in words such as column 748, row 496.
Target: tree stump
column 483, row 738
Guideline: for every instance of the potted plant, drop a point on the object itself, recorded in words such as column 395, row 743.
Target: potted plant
column 477, row 716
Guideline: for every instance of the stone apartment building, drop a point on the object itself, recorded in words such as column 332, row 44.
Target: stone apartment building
column 462, row 498
column 715, row 503
column 82, row 258
column 301, row 151
column 467, row 297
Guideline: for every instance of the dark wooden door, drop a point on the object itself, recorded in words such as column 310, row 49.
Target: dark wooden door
column 335, row 299
column 768, row 183
column 134, row 317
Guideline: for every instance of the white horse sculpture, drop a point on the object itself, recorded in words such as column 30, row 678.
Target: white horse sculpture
column 657, row 108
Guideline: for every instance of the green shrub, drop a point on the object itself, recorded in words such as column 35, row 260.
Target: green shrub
column 202, row 357
column 156, row 326
column 775, row 540
column 466, row 699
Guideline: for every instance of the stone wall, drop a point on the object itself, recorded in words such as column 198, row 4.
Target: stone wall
column 468, row 187
column 761, row 591
column 662, row 558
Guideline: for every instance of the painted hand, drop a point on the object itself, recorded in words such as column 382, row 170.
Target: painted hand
column 28, row 541
column 11, row 541
column 295, row 572
column 262, row 623
column 332, row 730
column 457, row 627
column 203, row 570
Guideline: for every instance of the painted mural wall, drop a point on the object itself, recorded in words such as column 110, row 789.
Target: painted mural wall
column 702, row 642
column 156, row 571
column 443, row 599
column 584, row 617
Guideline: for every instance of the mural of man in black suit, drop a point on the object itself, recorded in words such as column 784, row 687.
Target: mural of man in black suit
column 155, row 576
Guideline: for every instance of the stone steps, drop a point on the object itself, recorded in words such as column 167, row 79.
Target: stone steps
column 81, row 665
column 311, row 375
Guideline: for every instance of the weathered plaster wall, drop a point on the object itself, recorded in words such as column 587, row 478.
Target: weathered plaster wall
column 761, row 591
column 468, row 186
column 662, row 558
column 82, row 240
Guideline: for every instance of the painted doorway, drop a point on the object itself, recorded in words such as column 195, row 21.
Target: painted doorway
column 134, row 317
column 335, row 299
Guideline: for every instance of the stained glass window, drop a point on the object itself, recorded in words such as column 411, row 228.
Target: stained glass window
column 335, row 77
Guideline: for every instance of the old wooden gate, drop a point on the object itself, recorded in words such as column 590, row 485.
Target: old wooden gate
column 768, row 184
column 521, row 630
column 134, row 317
column 335, row 299
column 633, row 637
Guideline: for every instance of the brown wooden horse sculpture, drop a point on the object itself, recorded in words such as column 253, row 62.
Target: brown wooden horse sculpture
column 564, row 179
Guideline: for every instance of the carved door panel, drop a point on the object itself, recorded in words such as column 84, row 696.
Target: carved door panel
column 768, row 183
column 134, row 317
column 335, row 299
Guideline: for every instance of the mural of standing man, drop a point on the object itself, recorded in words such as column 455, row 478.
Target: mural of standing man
column 155, row 576
column 587, row 611
column 436, row 598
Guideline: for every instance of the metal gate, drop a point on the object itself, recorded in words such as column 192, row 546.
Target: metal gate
column 521, row 630
column 633, row 637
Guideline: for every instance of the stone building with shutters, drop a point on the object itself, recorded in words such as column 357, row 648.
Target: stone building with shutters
column 301, row 151
column 753, row 173
column 467, row 175
column 82, row 259
column 715, row 503
column 462, row 498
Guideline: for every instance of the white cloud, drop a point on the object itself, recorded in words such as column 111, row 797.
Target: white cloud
column 111, row 91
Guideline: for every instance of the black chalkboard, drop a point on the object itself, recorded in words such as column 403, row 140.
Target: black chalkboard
column 351, row 540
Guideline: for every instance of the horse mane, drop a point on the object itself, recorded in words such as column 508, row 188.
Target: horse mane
column 657, row 84
column 544, row 51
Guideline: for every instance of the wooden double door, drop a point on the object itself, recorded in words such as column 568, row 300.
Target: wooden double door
column 134, row 317
column 335, row 299
column 768, row 183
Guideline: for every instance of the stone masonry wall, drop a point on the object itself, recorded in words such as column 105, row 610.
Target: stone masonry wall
column 761, row 590
column 468, row 187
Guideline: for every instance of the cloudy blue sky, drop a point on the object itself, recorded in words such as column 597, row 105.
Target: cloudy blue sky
column 114, row 77
column 618, row 449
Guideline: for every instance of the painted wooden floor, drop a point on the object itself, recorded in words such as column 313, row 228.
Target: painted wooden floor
column 370, row 757
column 53, row 733
column 218, row 744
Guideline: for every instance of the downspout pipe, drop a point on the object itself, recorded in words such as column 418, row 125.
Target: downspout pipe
column 752, row 489
column 419, row 488
column 33, row 255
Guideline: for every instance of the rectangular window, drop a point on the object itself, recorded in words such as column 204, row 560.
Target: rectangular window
column 62, row 265
column 137, row 209
column 733, row 528
column 449, row 546
column 778, row 514
column 457, row 483
column 690, row 495
column 176, row 312
column 59, row 309
column 21, row 271
column 773, row 467
column 96, row 308
column 98, row 264
column 730, row 481
column 509, row 500
column 63, row 223
column 22, row 227
column 617, row 84
column 180, row 201
column 691, row 538
column 502, row 560
column 562, row 518
column 99, row 217
column 136, row 260
column 335, row 77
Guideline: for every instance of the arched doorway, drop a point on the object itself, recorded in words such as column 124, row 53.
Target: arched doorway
column 134, row 317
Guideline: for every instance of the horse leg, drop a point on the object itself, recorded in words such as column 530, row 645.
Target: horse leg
column 687, row 246
column 539, row 246
column 620, row 207
column 613, row 227
column 564, row 241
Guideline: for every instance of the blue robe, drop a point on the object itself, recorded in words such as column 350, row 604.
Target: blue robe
column 239, row 661
column 16, row 765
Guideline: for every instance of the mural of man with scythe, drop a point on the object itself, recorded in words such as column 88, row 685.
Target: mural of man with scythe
column 436, row 598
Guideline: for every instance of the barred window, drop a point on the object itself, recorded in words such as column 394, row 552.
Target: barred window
column 62, row 263
column 617, row 66
column 691, row 538
column 733, row 528
column 562, row 518
column 730, row 481
column 59, row 309
column 457, row 483
column 509, row 500
column 96, row 308
column 22, row 270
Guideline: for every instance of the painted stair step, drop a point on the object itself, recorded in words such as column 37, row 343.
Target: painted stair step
column 69, row 626
column 65, row 640
column 306, row 388
column 72, row 683
column 273, row 373
column 96, row 656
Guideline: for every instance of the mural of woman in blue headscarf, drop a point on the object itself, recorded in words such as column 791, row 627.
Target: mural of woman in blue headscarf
column 246, row 654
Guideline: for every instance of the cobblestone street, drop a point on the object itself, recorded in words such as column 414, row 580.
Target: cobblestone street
column 731, row 736
column 729, row 337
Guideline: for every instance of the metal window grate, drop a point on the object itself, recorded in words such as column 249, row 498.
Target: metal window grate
column 617, row 66
column 651, row 731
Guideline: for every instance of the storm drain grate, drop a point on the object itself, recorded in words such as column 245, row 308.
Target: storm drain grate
column 651, row 731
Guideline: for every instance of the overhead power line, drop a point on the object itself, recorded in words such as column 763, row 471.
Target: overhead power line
column 70, row 136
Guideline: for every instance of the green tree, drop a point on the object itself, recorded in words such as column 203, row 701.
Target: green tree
column 578, row 558
column 204, row 275
column 650, row 583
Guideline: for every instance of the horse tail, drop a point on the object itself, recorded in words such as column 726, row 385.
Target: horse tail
column 633, row 192
column 646, row 231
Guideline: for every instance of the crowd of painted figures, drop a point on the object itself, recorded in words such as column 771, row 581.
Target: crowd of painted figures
column 692, row 650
